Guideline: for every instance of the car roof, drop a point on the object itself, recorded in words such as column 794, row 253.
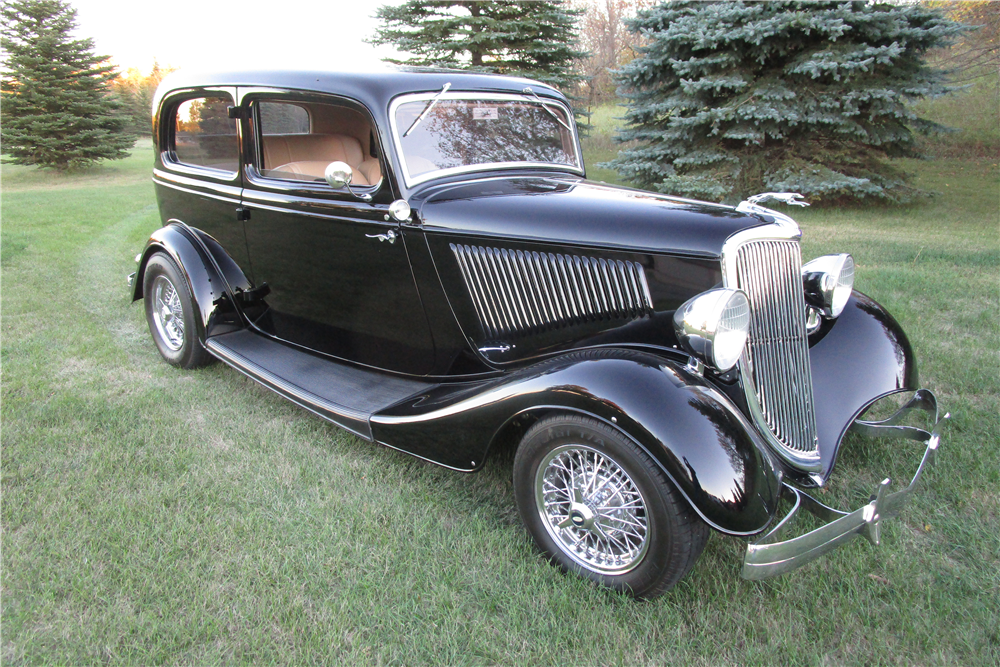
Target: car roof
column 373, row 87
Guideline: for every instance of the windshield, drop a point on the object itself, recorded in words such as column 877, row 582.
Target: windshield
column 464, row 132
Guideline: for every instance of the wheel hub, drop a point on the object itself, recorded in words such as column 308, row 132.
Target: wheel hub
column 582, row 516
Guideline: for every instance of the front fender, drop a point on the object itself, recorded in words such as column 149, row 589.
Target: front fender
column 694, row 433
column 210, row 273
column 860, row 357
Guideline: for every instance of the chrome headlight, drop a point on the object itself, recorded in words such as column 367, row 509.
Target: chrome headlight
column 714, row 325
column 828, row 281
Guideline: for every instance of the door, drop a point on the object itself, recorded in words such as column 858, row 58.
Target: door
column 198, row 171
column 336, row 263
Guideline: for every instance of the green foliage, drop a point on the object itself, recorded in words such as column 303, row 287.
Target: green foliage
column 57, row 111
column 530, row 39
column 156, row 516
column 135, row 90
column 732, row 98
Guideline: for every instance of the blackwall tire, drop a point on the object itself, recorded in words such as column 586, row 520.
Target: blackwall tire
column 599, row 506
column 171, row 315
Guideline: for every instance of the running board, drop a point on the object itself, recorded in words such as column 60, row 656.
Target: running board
column 345, row 395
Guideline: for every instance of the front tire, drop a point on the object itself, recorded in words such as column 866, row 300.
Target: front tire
column 171, row 314
column 598, row 505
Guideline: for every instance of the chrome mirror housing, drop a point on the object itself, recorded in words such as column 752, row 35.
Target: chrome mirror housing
column 338, row 175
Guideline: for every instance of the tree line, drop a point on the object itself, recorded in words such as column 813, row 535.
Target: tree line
column 723, row 99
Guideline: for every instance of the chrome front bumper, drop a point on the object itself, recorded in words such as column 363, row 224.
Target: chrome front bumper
column 768, row 557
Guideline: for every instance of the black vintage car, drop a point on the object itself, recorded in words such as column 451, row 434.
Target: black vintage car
column 418, row 257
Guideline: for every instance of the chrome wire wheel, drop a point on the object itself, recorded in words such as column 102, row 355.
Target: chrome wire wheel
column 168, row 314
column 592, row 509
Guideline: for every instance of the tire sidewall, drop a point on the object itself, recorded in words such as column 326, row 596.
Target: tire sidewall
column 188, row 353
column 552, row 433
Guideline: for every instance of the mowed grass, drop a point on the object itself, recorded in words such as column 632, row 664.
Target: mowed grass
column 152, row 515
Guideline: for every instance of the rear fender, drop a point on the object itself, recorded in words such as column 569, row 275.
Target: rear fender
column 695, row 434
column 212, row 275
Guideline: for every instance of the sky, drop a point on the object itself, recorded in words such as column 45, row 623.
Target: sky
column 236, row 34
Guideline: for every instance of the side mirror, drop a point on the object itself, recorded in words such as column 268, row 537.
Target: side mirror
column 338, row 174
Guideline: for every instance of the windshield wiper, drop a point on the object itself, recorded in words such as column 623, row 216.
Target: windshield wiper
column 444, row 89
column 529, row 91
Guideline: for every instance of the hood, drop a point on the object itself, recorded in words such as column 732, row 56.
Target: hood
column 579, row 212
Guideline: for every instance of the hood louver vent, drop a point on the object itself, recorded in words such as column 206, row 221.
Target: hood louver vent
column 518, row 293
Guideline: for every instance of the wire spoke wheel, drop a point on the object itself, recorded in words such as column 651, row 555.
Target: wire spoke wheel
column 172, row 313
column 592, row 508
column 599, row 506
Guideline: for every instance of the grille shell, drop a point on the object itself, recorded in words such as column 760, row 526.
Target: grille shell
column 518, row 292
column 775, row 363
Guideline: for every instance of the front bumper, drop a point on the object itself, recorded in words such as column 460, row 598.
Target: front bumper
column 768, row 557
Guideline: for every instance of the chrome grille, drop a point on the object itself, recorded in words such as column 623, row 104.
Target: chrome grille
column 777, row 353
column 517, row 292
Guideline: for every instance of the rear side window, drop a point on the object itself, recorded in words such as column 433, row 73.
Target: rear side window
column 205, row 135
column 277, row 118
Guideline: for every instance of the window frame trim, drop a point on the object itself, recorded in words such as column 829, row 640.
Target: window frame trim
column 412, row 181
column 168, row 155
column 250, row 98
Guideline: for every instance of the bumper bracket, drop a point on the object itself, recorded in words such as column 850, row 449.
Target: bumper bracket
column 769, row 557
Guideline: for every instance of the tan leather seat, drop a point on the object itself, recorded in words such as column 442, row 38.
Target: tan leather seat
column 309, row 154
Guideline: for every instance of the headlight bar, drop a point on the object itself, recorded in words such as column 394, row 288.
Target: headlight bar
column 768, row 557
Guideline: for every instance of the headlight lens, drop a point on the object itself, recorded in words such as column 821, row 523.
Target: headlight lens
column 828, row 282
column 714, row 325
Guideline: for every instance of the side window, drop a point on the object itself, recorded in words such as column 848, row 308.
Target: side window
column 299, row 139
column 279, row 118
column 205, row 135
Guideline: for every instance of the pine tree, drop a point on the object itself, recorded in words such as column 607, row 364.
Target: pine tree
column 57, row 111
column 728, row 99
column 530, row 39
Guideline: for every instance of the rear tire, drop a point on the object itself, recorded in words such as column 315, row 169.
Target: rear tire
column 599, row 506
column 171, row 314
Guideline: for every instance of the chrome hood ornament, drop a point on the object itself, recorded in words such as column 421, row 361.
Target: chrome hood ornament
column 790, row 198
column 752, row 205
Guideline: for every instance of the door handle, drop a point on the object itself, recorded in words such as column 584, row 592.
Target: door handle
column 389, row 236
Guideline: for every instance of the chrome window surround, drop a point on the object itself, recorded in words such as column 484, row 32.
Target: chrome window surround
column 166, row 147
column 783, row 229
column 253, row 173
column 485, row 97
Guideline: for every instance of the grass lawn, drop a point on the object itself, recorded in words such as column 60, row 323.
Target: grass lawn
column 152, row 515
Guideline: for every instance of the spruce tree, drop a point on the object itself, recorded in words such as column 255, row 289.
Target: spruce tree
column 530, row 39
column 728, row 99
column 57, row 111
